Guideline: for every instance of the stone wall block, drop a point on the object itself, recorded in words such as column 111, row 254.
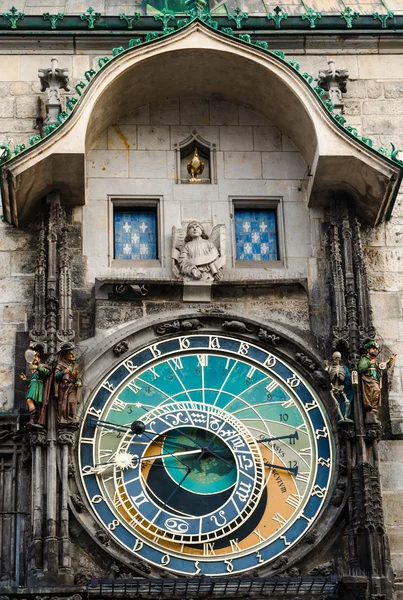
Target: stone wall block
column 243, row 165
column 383, row 107
column 384, row 259
column 153, row 137
column 352, row 107
column 194, row 111
column 374, row 89
column 223, row 113
column 394, row 234
column 23, row 263
column 16, row 313
column 374, row 236
column 6, row 107
column 151, row 164
column 283, row 165
column 386, row 305
column 139, row 116
column 104, row 163
column 250, row 117
column 122, row 137
column 355, row 89
column 383, row 125
column 16, row 289
column 393, row 89
column 11, row 126
column 236, row 138
column 165, row 112
column 266, row 138
column 10, row 67
column 12, row 239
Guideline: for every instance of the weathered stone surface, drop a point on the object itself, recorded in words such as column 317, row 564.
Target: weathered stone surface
column 355, row 89
column 243, row 165
column 153, row 137
column 223, row 113
column 109, row 315
column 23, row 263
column 27, row 107
column 393, row 89
column 236, row 138
column 9, row 69
column 103, row 163
column 266, row 139
column 122, row 137
column 374, row 89
column 7, row 107
column 16, row 313
column 21, row 88
column 194, row 111
column 165, row 112
column 352, row 107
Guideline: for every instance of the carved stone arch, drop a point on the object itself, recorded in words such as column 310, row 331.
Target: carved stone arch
column 165, row 69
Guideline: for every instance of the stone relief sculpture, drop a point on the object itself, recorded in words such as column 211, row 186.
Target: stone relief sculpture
column 38, row 383
column 67, row 387
column 371, row 372
column 195, row 255
column 341, row 389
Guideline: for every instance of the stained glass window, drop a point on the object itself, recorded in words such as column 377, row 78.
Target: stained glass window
column 256, row 234
column 135, row 232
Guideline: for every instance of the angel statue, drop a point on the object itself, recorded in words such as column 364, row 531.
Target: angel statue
column 197, row 256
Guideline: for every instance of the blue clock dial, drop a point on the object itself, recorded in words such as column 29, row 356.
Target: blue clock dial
column 228, row 462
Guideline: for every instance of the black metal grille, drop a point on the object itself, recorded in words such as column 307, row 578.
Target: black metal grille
column 212, row 587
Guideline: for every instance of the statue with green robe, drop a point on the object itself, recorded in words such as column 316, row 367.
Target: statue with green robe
column 38, row 383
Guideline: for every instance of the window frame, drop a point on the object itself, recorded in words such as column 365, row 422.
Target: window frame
column 264, row 203
column 135, row 202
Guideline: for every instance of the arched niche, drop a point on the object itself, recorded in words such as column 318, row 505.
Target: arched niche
column 184, row 151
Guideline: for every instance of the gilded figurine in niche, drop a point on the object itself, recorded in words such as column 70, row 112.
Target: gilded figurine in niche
column 195, row 167
column 196, row 256
column 341, row 388
column 68, row 385
column 38, row 383
column 371, row 372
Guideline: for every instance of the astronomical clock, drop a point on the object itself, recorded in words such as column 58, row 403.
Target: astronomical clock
column 205, row 454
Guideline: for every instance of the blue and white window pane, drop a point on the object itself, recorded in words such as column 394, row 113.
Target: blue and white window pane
column 135, row 234
column 256, row 234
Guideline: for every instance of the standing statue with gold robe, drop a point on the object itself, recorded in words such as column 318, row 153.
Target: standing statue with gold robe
column 371, row 376
column 68, row 385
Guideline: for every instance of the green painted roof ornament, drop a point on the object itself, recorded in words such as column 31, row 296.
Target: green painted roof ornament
column 348, row 15
column 13, row 16
column 383, row 18
column 277, row 17
column 238, row 16
column 91, row 16
column 311, row 16
column 53, row 19
column 5, row 151
column 397, row 155
column 129, row 20
column 166, row 16
column 196, row 8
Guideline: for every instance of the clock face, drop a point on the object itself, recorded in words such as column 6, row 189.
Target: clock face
column 205, row 454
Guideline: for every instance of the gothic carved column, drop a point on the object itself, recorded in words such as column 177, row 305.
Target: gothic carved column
column 368, row 552
column 65, row 439
column 38, row 443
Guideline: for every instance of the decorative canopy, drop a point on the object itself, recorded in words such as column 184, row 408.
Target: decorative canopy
column 199, row 60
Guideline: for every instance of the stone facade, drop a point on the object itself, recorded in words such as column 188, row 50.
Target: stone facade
column 135, row 158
